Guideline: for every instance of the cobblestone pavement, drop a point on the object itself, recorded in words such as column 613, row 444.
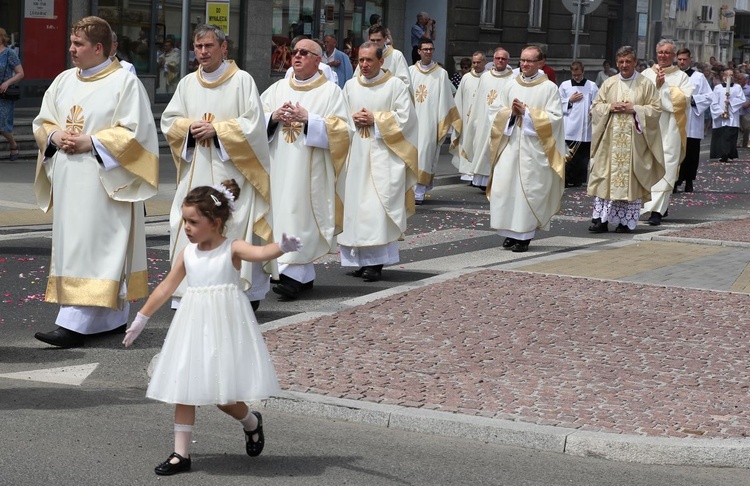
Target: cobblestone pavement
column 603, row 346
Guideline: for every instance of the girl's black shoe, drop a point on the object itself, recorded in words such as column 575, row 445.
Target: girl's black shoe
column 254, row 448
column 166, row 468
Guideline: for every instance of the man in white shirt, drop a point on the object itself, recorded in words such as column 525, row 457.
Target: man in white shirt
column 577, row 95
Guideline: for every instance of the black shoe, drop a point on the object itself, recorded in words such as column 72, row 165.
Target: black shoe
column 688, row 186
column 724, row 159
column 372, row 273
column 255, row 304
column 254, row 448
column 655, row 219
column 621, row 228
column 117, row 330
column 62, row 338
column 166, row 468
column 599, row 226
column 418, row 202
column 358, row 273
column 508, row 243
column 521, row 246
column 290, row 288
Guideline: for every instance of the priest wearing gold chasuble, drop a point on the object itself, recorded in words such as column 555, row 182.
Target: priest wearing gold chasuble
column 98, row 162
column 527, row 147
column 626, row 146
column 381, row 170
column 216, row 131
column 309, row 130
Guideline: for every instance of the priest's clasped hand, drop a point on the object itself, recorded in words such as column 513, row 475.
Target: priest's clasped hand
column 202, row 130
column 289, row 113
column 519, row 108
column 622, row 107
column 363, row 118
column 73, row 143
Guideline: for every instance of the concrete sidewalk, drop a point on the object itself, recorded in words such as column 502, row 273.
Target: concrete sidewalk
column 631, row 350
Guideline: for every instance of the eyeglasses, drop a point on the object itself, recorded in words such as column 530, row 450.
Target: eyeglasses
column 529, row 60
column 427, row 49
column 302, row 52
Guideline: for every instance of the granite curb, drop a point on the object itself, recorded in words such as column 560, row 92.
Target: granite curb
column 625, row 448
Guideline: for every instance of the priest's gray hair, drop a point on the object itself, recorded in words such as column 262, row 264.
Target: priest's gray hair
column 667, row 42
column 370, row 45
column 203, row 29
column 625, row 51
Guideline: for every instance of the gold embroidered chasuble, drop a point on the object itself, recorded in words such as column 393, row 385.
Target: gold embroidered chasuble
column 306, row 187
column 674, row 97
column 477, row 143
column 465, row 100
column 436, row 112
column 380, row 172
column 98, row 238
column 626, row 162
column 232, row 104
column 527, row 178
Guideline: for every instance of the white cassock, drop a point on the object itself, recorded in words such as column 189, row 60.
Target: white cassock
column 229, row 99
column 306, row 191
column 576, row 116
column 477, row 143
column 736, row 100
column 394, row 61
column 436, row 112
column 98, row 260
column 381, row 171
column 674, row 95
column 527, row 181
column 464, row 100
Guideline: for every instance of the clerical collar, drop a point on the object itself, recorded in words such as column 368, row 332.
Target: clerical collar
column 87, row 73
column 375, row 79
column 689, row 72
column 309, row 80
column 424, row 68
column 573, row 82
column 213, row 76
column 635, row 73
column 532, row 78
column 724, row 84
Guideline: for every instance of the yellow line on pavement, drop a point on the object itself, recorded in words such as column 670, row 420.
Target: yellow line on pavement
column 742, row 284
column 617, row 263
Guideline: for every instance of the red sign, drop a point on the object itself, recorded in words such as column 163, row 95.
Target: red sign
column 44, row 44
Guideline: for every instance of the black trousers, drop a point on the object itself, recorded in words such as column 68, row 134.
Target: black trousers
column 689, row 166
column 577, row 168
column 724, row 143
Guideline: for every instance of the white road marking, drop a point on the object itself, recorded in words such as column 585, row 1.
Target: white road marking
column 66, row 375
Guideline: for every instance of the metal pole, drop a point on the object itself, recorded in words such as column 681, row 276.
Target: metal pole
column 186, row 41
column 578, row 28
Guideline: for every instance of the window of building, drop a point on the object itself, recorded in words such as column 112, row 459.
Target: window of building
column 488, row 13
column 535, row 14
column 348, row 21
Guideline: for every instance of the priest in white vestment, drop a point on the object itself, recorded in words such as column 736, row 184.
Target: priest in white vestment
column 675, row 90
column 700, row 101
column 381, row 170
column 98, row 162
column 464, row 99
column 216, row 131
column 477, row 139
column 528, row 146
column 577, row 94
column 393, row 59
column 310, row 129
column 436, row 112
column 626, row 150
column 726, row 103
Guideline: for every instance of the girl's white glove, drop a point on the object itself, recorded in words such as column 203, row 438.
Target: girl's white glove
column 135, row 329
column 289, row 243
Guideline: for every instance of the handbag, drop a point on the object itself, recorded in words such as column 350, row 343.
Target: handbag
column 13, row 92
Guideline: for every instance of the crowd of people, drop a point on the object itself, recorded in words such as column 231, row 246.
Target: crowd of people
column 268, row 183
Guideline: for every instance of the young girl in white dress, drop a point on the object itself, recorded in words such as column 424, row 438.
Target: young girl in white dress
column 214, row 352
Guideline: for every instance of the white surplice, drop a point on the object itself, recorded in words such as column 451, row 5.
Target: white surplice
column 380, row 171
column 464, row 99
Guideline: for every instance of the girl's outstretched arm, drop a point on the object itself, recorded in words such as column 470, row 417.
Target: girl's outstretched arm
column 158, row 297
column 242, row 250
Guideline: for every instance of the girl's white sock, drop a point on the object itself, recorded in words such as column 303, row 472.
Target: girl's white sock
column 250, row 422
column 182, row 435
